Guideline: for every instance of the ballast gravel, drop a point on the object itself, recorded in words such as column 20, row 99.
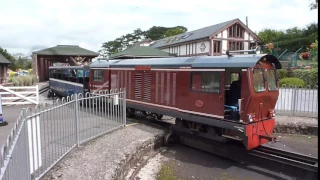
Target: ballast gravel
column 102, row 157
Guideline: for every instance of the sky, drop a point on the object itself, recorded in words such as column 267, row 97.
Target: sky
column 30, row 25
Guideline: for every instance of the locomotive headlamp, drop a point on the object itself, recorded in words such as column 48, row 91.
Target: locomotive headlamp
column 272, row 113
column 252, row 117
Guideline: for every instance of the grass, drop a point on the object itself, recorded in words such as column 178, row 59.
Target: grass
column 167, row 173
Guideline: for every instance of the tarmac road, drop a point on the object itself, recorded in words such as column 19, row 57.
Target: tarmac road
column 10, row 114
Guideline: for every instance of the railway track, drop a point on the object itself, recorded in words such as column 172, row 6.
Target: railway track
column 298, row 160
column 274, row 159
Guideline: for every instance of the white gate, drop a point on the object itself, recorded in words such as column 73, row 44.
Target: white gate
column 12, row 95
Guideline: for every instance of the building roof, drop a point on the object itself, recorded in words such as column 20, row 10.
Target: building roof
column 4, row 60
column 236, row 61
column 66, row 50
column 193, row 35
column 141, row 52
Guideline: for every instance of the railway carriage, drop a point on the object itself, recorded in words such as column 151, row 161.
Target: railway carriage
column 67, row 80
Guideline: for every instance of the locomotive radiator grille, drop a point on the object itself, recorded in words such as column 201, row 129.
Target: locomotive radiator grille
column 168, row 89
column 157, row 86
column 147, row 87
column 138, row 85
column 174, row 82
column 129, row 84
column 162, row 86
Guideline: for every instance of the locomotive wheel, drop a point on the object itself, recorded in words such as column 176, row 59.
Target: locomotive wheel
column 49, row 93
column 167, row 139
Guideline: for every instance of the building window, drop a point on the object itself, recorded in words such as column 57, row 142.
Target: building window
column 236, row 31
column 216, row 47
column 235, row 45
column 98, row 76
column 206, row 81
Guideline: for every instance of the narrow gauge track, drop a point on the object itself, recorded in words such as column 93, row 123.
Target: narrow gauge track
column 274, row 159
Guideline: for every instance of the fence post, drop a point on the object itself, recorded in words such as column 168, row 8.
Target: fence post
column 37, row 93
column 124, row 99
column 76, row 119
column 294, row 90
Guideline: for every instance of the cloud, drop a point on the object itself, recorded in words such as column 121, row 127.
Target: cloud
column 30, row 25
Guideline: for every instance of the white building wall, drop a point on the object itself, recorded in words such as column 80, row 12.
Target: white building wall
column 246, row 46
column 224, row 46
column 251, row 38
column 246, row 35
column 207, row 47
column 225, row 34
column 219, row 35
column 183, row 50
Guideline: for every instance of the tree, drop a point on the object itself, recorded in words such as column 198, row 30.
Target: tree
column 174, row 31
column 8, row 56
column 126, row 41
column 292, row 38
column 314, row 5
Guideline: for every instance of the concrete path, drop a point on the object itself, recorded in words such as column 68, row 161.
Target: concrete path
column 108, row 157
column 296, row 125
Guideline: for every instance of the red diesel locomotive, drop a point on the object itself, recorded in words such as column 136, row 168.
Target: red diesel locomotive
column 218, row 97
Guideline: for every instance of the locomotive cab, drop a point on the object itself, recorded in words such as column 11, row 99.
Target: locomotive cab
column 251, row 93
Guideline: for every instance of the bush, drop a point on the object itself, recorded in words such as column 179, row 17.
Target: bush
column 284, row 73
column 291, row 82
column 310, row 77
column 22, row 80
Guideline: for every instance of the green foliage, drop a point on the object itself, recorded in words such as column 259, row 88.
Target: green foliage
column 284, row 73
column 125, row 41
column 22, row 62
column 23, row 80
column 314, row 5
column 292, row 38
column 291, row 82
column 310, row 77
column 173, row 32
column 166, row 173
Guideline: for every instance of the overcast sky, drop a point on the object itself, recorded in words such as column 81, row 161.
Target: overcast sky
column 29, row 25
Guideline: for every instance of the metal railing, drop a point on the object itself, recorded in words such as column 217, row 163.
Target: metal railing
column 42, row 138
column 298, row 101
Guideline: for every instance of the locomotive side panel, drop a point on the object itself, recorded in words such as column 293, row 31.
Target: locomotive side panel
column 201, row 93
column 99, row 80
column 245, row 94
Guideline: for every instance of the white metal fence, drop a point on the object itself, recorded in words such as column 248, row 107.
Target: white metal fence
column 41, row 138
column 298, row 101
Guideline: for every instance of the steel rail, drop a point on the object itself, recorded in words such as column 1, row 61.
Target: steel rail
column 287, row 157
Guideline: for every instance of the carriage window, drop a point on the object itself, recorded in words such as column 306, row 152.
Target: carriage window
column 271, row 78
column 258, row 82
column 98, row 75
column 206, row 81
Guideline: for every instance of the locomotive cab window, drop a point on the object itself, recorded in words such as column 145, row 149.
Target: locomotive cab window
column 258, row 81
column 98, row 75
column 271, row 79
column 206, row 81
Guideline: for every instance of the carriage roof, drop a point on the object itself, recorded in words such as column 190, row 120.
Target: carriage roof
column 236, row 61
column 68, row 67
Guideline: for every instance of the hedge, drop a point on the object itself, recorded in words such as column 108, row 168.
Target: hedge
column 291, row 82
column 310, row 77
